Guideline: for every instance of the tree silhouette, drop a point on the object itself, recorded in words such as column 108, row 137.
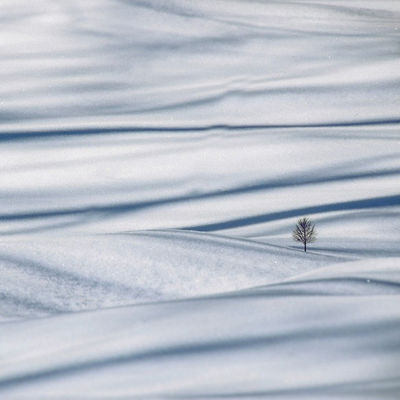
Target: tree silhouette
column 304, row 232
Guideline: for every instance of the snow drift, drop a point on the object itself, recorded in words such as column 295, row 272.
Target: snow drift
column 154, row 157
column 284, row 341
column 52, row 275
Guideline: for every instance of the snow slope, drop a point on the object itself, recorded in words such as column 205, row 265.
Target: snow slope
column 286, row 341
column 189, row 63
column 215, row 115
column 51, row 275
column 154, row 157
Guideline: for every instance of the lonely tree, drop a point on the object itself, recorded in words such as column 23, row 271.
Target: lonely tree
column 304, row 232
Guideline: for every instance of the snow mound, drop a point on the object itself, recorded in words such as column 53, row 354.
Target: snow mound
column 253, row 344
column 49, row 275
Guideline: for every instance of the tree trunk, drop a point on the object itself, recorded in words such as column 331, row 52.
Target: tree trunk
column 305, row 247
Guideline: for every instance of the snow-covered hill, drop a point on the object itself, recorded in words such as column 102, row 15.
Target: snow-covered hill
column 291, row 341
column 188, row 63
column 47, row 275
column 154, row 157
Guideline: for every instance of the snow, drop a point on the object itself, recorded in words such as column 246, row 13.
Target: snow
column 295, row 343
column 47, row 276
column 154, row 158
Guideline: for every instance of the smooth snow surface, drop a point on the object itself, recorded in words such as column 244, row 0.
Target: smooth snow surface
column 281, row 342
column 48, row 276
column 154, row 157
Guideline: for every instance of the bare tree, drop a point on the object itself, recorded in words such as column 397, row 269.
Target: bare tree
column 304, row 232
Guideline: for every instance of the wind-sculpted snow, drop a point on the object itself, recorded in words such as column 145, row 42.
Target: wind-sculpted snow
column 303, row 342
column 156, row 155
column 49, row 276
column 74, row 63
column 253, row 183
column 212, row 115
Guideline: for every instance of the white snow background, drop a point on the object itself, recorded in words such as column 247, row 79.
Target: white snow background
column 154, row 158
